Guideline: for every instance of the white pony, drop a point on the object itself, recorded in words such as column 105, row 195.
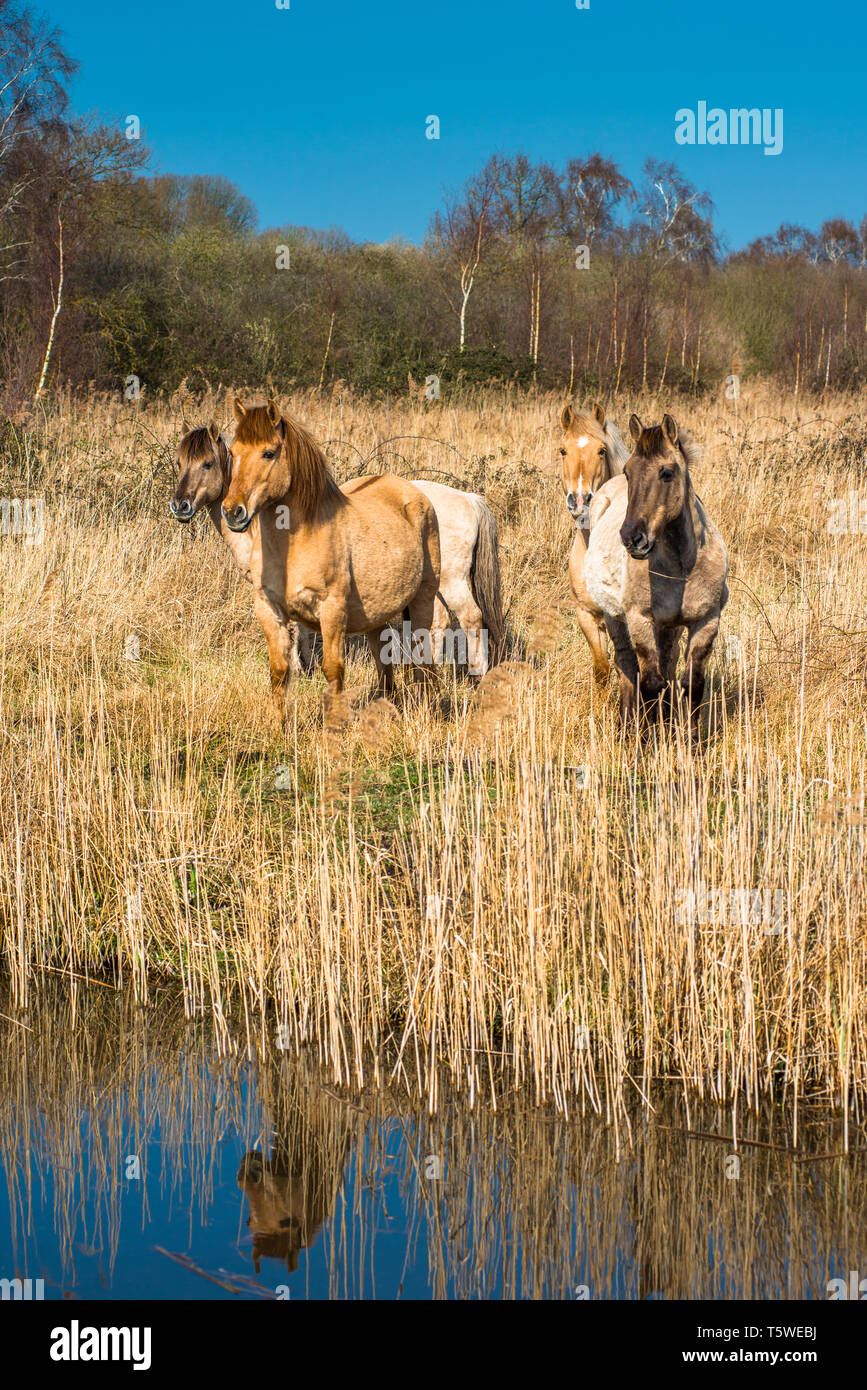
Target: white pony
column 592, row 451
column 657, row 564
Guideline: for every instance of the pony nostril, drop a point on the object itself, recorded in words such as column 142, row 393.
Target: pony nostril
column 634, row 537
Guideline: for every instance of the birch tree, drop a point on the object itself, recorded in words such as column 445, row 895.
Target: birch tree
column 458, row 237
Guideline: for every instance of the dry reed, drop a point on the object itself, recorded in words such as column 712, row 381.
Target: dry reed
column 496, row 888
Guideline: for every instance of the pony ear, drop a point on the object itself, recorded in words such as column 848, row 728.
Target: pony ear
column 239, row 409
column 214, row 431
column 635, row 427
column 567, row 417
column 670, row 428
column 599, row 412
column 273, row 411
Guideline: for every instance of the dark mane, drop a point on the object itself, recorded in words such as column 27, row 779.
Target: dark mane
column 312, row 480
column 652, row 442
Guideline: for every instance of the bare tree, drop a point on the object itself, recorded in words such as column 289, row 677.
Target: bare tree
column 460, row 233
column 839, row 241
column 587, row 196
column 33, row 72
column 524, row 213
column 72, row 163
column 677, row 216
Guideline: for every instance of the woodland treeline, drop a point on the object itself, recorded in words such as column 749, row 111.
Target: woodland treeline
column 527, row 273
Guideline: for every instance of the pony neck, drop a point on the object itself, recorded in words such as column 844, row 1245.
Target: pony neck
column 215, row 508
column 683, row 533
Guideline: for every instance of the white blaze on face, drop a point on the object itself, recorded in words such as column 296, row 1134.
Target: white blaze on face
column 581, row 441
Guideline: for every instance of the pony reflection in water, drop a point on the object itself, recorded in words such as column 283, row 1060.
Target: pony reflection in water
column 293, row 1190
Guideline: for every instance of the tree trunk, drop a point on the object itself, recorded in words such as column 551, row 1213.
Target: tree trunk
column 58, row 303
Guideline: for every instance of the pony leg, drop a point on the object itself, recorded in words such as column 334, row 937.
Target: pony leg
column 643, row 635
column 385, row 669
column 668, row 643
column 440, row 624
column 422, row 613
column 281, row 650
column 626, row 663
column 332, row 625
column 305, row 643
column 595, row 634
column 422, row 608
column 669, row 652
column 700, row 640
column 472, row 624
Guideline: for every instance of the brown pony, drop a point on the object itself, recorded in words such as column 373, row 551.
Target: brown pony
column 592, row 451
column 205, row 463
column 656, row 564
column 339, row 563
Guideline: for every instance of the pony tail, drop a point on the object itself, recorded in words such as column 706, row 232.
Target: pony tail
column 485, row 579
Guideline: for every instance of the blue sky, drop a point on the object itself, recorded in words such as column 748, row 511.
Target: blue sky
column 318, row 112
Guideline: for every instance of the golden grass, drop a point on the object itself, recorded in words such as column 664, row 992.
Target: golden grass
column 442, row 895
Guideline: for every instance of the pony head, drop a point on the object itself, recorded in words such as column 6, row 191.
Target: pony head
column 274, row 461
column 205, row 464
column 584, row 457
column 657, row 476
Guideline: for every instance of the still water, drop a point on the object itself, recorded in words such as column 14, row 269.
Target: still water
column 137, row 1163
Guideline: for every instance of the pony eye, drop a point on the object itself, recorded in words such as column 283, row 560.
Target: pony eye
column 269, row 453
column 563, row 452
column 666, row 474
column 206, row 463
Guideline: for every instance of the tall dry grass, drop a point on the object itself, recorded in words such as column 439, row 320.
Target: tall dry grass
column 443, row 896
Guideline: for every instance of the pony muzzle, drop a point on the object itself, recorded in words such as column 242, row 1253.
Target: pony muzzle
column 182, row 509
column 578, row 502
column 237, row 518
column 637, row 541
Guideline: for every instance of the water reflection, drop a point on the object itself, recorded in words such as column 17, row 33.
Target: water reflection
column 137, row 1163
column 292, row 1190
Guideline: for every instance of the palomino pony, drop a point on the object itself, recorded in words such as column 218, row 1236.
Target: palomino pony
column 593, row 450
column 339, row 562
column 206, row 466
column 656, row 564
column 469, row 588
